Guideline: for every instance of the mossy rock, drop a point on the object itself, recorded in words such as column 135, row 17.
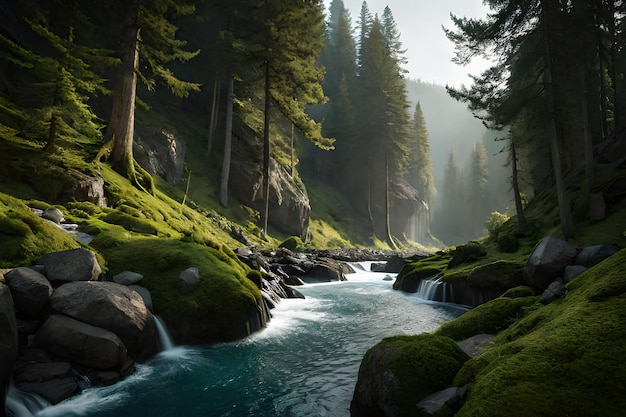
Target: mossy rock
column 507, row 243
column 399, row 371
column 293, row 243
column 499, row 275
column 469, row 252
column 491, row 318
column 413, row 273
column 224, row 307
column 565, row 358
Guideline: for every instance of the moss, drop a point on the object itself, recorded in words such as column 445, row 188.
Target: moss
column 223, row 300
column 420, row 364
column 491, row 317
column 518, row 292
column 566, row 358
column 293, row 243
column 466, row 253
column 507, row 242
column 498, row 275
column 24, row 237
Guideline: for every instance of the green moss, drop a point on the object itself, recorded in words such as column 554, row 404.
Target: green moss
column 293, row 243
column 566, row 358
column 421, row 365
column 223, row 300
column 491, row 318
column 467, row 253
column 498, row 275
column 518, row 292
column 24, row 237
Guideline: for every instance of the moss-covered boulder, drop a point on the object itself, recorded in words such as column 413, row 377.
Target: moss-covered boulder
column 400, row 371
column 499, row 275
column 413, row 273
column 491, row 318
column 226, row 305
column 563, row 359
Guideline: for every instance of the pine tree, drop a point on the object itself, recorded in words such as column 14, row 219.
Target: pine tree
column 148, row 42
column 62, row 79
column 421, row 159
column 477, row 188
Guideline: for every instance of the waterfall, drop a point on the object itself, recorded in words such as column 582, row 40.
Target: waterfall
column 433, row 289
column 164, row 337
column 23, row 404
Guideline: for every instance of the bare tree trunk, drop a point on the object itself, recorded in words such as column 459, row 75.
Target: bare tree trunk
column 519, row 208
column 387, row 206
column 266, row 152
column 227, row 145
column 214, row 113
column 122, row 125
column 565, row 212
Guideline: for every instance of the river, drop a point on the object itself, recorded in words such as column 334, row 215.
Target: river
column 305, row 363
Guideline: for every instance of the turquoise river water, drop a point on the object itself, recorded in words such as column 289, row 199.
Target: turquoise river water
column 305, row 363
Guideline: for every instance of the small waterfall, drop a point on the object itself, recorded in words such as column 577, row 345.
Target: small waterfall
column 164, row 337
column 433, row 289
column 23, row 404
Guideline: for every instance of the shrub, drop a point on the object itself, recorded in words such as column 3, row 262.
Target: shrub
column 495, row 222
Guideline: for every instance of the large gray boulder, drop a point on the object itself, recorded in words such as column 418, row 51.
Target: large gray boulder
column 31, row 290
column 592, row 255
column 289, row 206
column 70, row 265
column 8, row 340
column 548, row 261
column 81, row 343
column 110, row 306
column 54, row 381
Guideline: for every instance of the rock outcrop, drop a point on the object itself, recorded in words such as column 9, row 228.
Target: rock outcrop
column 70, row 325
column 160, row 153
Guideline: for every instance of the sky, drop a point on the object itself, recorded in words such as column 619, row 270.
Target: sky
column 429, row 52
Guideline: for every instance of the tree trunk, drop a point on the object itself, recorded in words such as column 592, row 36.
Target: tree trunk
column 519, row 208
column 52, row 133
column 565, row 212
column 227, row 145
column 122, row 124
column 214, row 113
column 392, row 243
column 266, row 151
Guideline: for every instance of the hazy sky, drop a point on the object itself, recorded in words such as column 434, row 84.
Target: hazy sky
column 429, row 52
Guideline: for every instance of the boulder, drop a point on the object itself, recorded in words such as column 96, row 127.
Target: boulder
column 324, row 272
column 289, row 206
column 53, row 214
column 145, row 295
column 555, row 290
column 127, row 278
column 8, row 340
column 79, row 186
column 400, row 371
column 160, row 152
column 31, row 290
column 395, row 264
column 113, row 307
column 474, row 345
column 592, row 255
column 446, row 399
column 410, row 281
column 188, row 280
column 70, row 265
column 81, row 343
column 548, row 261
column 54, row 381
column 499, row 275
column 572, row 271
